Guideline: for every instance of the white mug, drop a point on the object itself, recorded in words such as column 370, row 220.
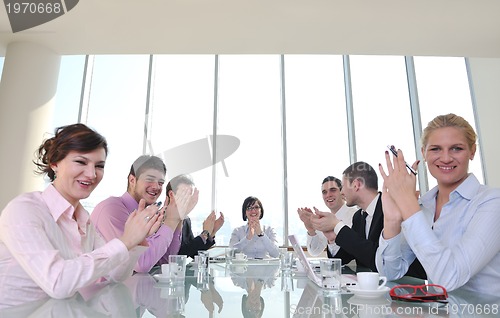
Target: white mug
column 165, row 269
column 240, row 256
column 370, row 280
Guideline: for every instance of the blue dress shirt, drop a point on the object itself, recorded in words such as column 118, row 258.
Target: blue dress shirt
column 462, row 248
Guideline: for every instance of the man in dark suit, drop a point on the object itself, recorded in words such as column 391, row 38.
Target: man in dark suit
column 360, row 242
column 190, row 245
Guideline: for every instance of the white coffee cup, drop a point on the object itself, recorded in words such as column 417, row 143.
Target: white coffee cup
column 370, row 280
column 165, row 269
column 240, row 256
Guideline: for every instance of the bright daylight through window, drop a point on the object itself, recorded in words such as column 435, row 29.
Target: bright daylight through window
column 298, row 119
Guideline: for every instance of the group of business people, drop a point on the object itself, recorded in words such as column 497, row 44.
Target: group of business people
column 51, row 247
column 175, row 236
column 449, row 235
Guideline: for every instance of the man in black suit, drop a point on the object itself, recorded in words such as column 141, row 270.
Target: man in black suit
column 360, row 242
column 190, row 245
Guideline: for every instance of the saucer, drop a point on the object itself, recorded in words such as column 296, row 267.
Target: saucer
column 361, row 293
column 376, row 301
column 160, row 278
column 239, row 261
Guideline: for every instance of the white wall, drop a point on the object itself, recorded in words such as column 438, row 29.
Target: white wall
column 485, row 75
column 27, row 90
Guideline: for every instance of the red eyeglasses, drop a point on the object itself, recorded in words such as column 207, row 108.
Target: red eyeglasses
column 419, row 293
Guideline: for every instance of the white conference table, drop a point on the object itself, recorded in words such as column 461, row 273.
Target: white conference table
column 255, row 289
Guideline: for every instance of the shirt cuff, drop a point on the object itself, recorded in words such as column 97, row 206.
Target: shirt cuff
column 339, row 227
column 333, row 248
column 390, row 248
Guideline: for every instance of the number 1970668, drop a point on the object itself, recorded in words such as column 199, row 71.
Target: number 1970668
column 33, row 8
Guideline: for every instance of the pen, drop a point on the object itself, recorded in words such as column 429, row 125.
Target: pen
column 395, row 153
column 158, row 204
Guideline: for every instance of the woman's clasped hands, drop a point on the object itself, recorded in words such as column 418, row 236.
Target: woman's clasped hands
column 398, row 192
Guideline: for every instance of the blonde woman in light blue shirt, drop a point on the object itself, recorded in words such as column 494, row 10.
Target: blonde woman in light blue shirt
column 454, row 229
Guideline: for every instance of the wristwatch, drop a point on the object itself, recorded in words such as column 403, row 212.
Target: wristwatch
column 206, row 234
column 261, row 234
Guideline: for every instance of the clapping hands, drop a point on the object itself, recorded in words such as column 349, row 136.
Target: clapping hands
column 141, row 223
column 254, row 227
column 213, row 224
column 305, row 216
column 323, row 221
column 185, row 198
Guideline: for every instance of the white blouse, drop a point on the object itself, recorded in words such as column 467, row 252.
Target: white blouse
column 259, row 246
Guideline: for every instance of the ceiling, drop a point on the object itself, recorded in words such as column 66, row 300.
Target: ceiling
column 468, row 28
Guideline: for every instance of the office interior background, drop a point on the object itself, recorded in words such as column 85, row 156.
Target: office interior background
column 305, row 97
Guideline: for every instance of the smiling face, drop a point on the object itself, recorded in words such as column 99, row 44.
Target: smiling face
column 78, row 174
column 447, row 154
column 331, row 195
column 147, row 186
column 253, row 211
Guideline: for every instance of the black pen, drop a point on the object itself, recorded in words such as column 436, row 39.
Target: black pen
column 395, row 153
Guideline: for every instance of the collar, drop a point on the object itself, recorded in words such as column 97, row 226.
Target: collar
column 342, row 209
column 371, row 207
column 59, row 206
column 130, row 203
column 467, row 189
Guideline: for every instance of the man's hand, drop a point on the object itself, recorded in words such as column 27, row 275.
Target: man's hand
column 305, row 216
column 324, row 221
column 218, row 223
column 209, row 223
column 185, row 199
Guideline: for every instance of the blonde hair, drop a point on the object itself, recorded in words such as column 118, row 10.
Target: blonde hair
column 450, row 120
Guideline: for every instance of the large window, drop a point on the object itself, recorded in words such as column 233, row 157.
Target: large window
column 182, row 122
column 316, row 123
column 381, row 108
column 443, row 88
column 250, row 109
column 117, row 110
column 67, row 104
column 285, row 118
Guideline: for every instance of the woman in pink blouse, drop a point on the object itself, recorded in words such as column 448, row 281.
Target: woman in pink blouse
column 48, row 247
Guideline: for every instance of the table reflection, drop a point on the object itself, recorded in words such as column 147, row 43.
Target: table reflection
column 253, row 278
column 252, row 290
column 98, row 300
